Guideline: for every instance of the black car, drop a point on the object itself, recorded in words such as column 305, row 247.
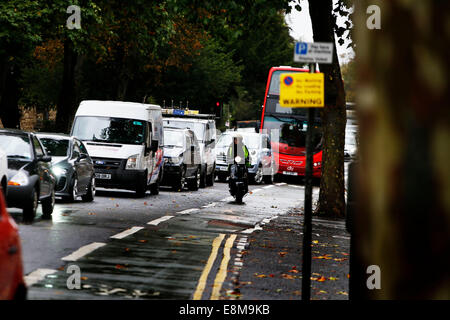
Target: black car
column 30, row 178
column 72, row 166
column 182, row 163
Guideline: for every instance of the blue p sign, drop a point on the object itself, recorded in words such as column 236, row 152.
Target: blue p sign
column 301, row 48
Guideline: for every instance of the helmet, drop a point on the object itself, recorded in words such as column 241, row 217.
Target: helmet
column 238, row 136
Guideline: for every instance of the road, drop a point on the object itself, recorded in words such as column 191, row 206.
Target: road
column 176, row 245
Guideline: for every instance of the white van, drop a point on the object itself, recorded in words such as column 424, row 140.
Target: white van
column 125, row 140
column 204, row 127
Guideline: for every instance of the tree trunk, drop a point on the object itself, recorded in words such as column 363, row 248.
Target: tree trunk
column 403, row 94
column 9, row 95
column 331, row 197
column 66, row 100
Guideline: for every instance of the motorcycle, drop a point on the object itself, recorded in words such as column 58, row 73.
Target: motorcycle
column 238, row 181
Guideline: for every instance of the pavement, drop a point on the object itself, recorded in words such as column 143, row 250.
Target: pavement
column 272, row 261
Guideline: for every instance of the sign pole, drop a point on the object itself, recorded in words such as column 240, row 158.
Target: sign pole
column 307, row 221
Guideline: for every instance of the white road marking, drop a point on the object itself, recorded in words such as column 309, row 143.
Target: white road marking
column 341, row 237
column 280, row 184
column 188, row 211
column 126, row 233
column 210, row 205
column 268, row 187
column 256, row 190
column 83, row 251
column 38, row 275
column 159, row 220
column 250, row 230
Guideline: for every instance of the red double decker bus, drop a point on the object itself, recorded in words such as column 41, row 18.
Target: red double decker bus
column 287, row 128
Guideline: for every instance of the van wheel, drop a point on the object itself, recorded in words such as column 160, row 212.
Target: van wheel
column 29, row 211
column 178, row 185
column 210, row 178
column 194, row 183
column 203, row 178
column 154, row 188
column 141, row 187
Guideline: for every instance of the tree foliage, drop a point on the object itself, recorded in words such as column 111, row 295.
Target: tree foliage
column 196, row 51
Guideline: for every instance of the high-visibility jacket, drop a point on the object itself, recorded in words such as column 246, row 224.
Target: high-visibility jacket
column 238, row 150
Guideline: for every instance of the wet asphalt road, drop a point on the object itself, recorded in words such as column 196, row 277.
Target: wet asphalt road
column 176, row 245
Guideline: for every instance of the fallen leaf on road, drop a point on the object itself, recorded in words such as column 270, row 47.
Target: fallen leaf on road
column 297, row 293
column 282, row 253
column 333, row 278
column 343, row 293
column 322, row 291
column 340, row 259
column 326, row 257
column 271, row 275
column 260, row 275
column 315, row 241
column 119, row 266
column 322, row 279
column 287, row 276
column 143, row 241
column 145, row 203
column 92, row 213
column 84, row 278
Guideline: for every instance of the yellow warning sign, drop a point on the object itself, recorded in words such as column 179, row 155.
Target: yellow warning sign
column 302, row 90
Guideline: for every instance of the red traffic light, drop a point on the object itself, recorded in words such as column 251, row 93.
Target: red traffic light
column 217, row 104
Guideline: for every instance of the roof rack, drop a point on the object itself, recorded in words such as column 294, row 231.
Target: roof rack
column 186, row 113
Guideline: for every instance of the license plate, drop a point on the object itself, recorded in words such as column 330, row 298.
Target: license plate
column 223, row 168
column 102, row 176
column 288, row 173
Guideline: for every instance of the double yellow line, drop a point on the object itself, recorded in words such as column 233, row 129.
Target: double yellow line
column 221, row 274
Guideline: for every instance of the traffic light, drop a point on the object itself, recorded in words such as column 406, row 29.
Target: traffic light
column 218, row 109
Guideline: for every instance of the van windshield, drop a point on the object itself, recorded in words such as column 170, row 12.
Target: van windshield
column 112, row 130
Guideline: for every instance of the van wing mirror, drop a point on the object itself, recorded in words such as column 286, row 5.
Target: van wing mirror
column 154, row 145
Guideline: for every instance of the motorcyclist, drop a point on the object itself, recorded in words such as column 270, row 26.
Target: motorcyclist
column 238, row 148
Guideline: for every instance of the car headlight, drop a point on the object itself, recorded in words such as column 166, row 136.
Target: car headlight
column 58, row 171
column 20, row 179
column 132, row 162
column 174, row 160
column 238, row 159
